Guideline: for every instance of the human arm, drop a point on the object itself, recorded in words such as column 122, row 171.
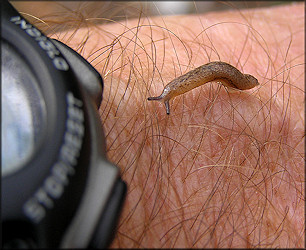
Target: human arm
column 224, row 169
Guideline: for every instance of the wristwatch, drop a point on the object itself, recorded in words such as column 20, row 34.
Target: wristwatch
column 58, row 188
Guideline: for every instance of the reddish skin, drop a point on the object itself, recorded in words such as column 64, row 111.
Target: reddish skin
column 223, row 170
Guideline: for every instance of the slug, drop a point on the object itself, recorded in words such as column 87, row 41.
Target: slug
column 228, row 75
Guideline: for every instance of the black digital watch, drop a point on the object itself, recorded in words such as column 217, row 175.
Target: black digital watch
column 58, row 189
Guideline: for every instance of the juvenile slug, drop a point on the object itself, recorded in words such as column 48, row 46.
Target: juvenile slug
column 228, row 75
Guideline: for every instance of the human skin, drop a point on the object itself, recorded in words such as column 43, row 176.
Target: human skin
column 224, row 169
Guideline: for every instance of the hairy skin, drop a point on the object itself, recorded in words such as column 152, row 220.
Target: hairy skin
column 224, row 169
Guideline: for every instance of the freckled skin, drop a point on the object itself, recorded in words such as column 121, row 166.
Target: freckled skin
column 228, row 75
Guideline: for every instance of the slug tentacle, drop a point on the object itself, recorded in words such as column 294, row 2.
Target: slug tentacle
column 162, row 99
column 167, row 107
column 155, row 98
column 228, row 74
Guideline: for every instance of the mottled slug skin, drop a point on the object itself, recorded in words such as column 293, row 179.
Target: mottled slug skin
column 227, row 74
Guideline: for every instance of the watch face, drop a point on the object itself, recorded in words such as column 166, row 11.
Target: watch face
column 23, row 111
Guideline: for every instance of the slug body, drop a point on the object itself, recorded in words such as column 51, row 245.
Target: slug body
column 228, row 75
